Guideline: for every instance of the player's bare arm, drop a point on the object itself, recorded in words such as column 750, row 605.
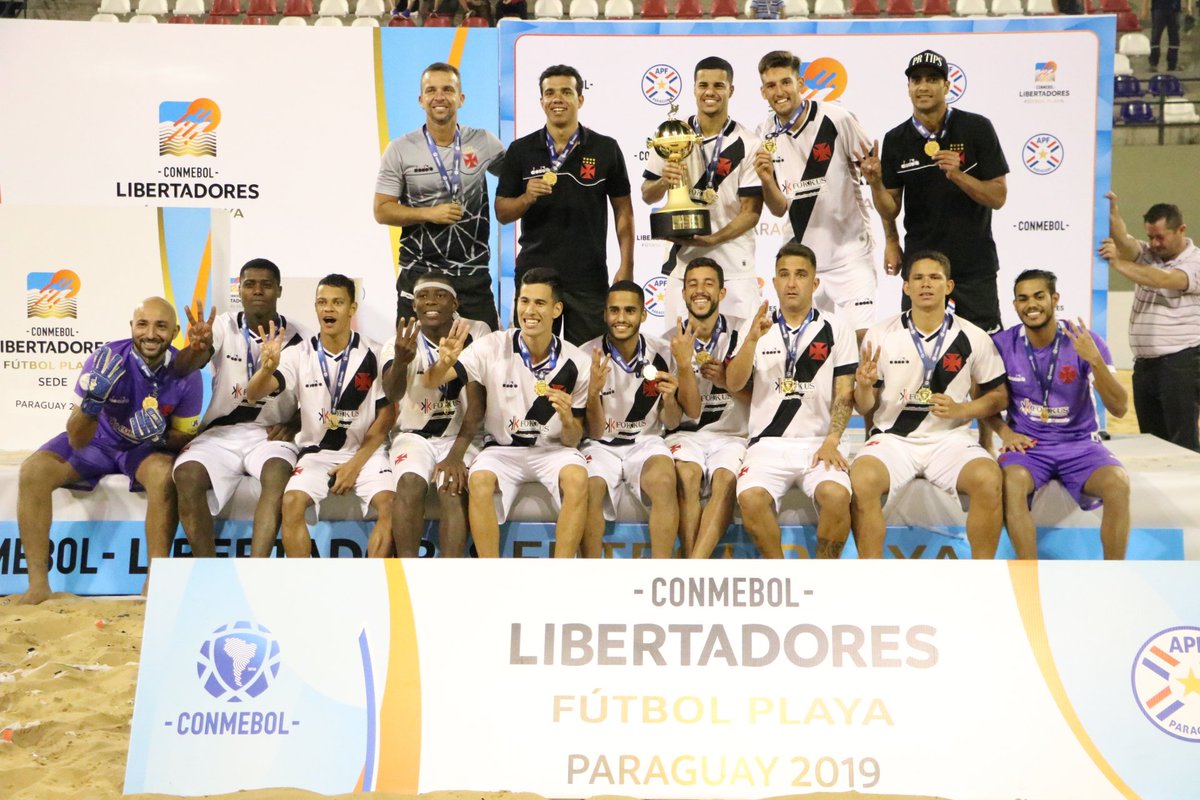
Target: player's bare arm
column 739, row 369
column 395, row 377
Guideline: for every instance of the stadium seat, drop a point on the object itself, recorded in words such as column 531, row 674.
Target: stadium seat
column 1179, row 111
column 191, row 8
column 795, row 9
column 226, row 8
column 254, row 19
column 689, row 9
column 1137, row 113
column 370, row 8
column 583, row 9
column 213, row 19
column 654, row 9
column 1121, row 65
column 900, row 8
column 442, row 21
column 111, row 18
column 936, row 8
column 1128, row 22
column 1007, row 8
column 156, row 7
column 181, row 19
column 725, row 8
column 864, row 8
column 401, row 22
column 333, row 8
column 547, row 9
column 1114, row 6
column 618, row 9
column 1037, row 8
column 328, row 22
column 1134, row 44
column 364, row 22
column 118, row 7
column 293, row 22
column 1125, row 86
column 297, row 8
column 970, row 8
column 144, row 19
column 475, row 22
column 828, row 8
column 1166, row 86
column 262, row 8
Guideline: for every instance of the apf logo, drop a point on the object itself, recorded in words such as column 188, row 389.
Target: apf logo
column 51, row 295
column 1044, row 72
column 655, row 290
column 187, row 129
column 238, row 661
column 1042, row 154
column 661, row 84
column 958, row 83
column 1165, row 678
column 826, row 75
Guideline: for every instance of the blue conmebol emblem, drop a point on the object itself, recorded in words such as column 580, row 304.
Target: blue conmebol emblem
column 238, row 661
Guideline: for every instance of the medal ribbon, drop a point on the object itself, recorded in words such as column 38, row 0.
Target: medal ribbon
column 335, row 390
column 151, row 375
column 710, row 168
column 547, row 365
column 928, row 362
column 792, row 343
column 713, row 341
column 452, row 178
column 782, row 129
column 1047, row 381
column 638, row 357
column 925, row 133
column 556, row 158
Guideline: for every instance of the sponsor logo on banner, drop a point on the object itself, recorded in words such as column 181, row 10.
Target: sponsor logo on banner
column 655, row 290
column 824, row 79
column 958, row 83
column 1042, row 154
column 1166, row 681
column 661, row 84
column 51, row 295
column 188, row 129
column 1045, row 88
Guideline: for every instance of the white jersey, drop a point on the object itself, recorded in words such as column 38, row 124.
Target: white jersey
column 343, row 428
column 516, row 414
column 966, row 356
column 796, row 403
column 431, row 413
column 719, row 411
column 631, row 403
column 733, row 177
column 233, row 362
column 815, row 170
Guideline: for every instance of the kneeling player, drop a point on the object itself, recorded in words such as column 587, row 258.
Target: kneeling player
column 802, row 363
column 344, row 415
column 631, row 394
column 1051, row 431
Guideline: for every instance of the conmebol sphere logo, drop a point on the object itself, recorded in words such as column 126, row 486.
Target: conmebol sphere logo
column 238, row 661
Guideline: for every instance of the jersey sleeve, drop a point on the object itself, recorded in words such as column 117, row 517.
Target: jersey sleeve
column 579, row 396
column 495, row 155
column 654, row 166
column 987, row 367
column 512, row 178
column 872, row 341
column 185, row 417
column 218, row 334
column 390, row 180
column 857, row 140
column 387, row 354
column 845, row 349
column 992, row 163
column 749, row 184
column 474, row 357
column 617, row 184
column 889, row 162
column 288, row 371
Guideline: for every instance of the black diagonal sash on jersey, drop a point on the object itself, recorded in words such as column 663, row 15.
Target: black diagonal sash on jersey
column 642, row 404
column 541, row 411
column 910, row 418
column 804, row 371
column 736, row 153
column 437, row 427
column 710, row 415
column 353, row 396
column 244, row 413
column 800, row 210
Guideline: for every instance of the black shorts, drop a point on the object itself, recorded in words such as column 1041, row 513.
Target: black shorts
column 975, row 300
column 475, row 298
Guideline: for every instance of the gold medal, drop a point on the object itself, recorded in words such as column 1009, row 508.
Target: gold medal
column 541, row 388
column 710, row 196
column 650, row 372
column 150, row 402
column 332, row 422
column 1045, row 414
column 788, row 386
column 932, row 148
column 924, row 394
column 703, row 357
column 769, row 145
column 549, row 178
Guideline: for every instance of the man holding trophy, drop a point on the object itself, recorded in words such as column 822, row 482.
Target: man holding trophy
column 708, row 167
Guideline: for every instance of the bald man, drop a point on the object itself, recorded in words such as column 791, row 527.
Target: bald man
column 134, row 414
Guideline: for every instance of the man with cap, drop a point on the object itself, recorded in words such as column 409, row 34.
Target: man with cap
column 946, row 169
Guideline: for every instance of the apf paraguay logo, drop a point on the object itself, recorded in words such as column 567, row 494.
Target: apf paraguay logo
column 1166, row 675
column 52, row 295
column 188, row 129
column 655, row 290
column 238, row 661
column 661, row 84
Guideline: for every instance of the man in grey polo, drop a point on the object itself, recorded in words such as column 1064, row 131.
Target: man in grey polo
column 433, row 183
column 1164, row 325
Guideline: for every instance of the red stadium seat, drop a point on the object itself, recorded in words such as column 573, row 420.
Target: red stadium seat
column 226, row 8
column 689, row 9
column 213, row 19
column 936, row 8
column 864, row 8
column 401, row 22
column 654, row 9
column 1114, row 6
column 725, row 8
column 439, row 21
column 181, row 19
column 298, row 8
column 256, row 20
column 1128, row 22
column 901, row 8
column 475, row 22
column 262, row 8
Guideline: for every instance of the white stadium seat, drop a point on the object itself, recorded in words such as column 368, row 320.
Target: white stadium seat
column 1121, row 65
column 328, row 22
column 1039, row 7
column 548, row 9
column 795, row 9
column 1007, row 8
column 370, row 8
column 114, row 7
column 618, row 9
column 105, row 18
column 364, row 22
column 143, row 19
column 828, row 8
column 1134, row 44
column 584, row 9
column 293, row 22
column 156, row 7
column 189, row 8
column 334, row 8
column 970, row 8
column 1179, row 110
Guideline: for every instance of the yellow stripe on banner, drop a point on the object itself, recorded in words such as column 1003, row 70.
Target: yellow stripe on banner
column 200, row 290
column 457, row 48
column 381, row 122
column 168, row 286
column 400, row 712
column 1024, row 576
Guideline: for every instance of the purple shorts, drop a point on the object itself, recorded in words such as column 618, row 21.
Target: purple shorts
column 1071, row 462
column 97, row 460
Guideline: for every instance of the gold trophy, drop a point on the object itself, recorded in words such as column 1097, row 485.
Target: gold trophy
column 680, row 218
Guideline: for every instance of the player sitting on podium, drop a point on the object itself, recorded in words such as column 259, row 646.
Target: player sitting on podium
column 535, row 386
column 802, row 364
column 435, row 429
column 1051, row 430
column 631, row 395
column 344, row 417
column 134, row 414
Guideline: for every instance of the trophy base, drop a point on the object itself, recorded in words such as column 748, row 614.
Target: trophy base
column 680, row 223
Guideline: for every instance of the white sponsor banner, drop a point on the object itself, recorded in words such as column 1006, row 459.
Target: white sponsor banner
column 670, row 680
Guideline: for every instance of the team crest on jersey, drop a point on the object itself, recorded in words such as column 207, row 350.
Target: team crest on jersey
column 724, row 166
column 1042, row 154
column 662, row 84
column 822, row 151
column 362, row 381
column 650, row 388
column 952, row 362
column 1165, row 678
column 818, row 351
column 587, row 170
column 401, row 457
column 656, row 298
column 470, row 158
column 1068, row 374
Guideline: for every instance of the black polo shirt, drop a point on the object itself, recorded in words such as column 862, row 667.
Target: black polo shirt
column 937, row 214
column 567, row 230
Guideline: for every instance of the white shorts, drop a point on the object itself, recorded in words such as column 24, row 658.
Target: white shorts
column 413, row 454
column 712, row 451
column 622, row 466
column 311, row 476
column 228, row 452
column 742, row 299
column 849, row 292
column 513, row 466
column 938, row 460
column 776, row 464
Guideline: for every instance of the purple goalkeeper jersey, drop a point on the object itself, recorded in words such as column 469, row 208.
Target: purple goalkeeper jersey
column 1070, row 411
column 179, row 399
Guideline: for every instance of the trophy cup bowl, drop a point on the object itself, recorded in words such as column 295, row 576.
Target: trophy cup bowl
column 680, row 218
